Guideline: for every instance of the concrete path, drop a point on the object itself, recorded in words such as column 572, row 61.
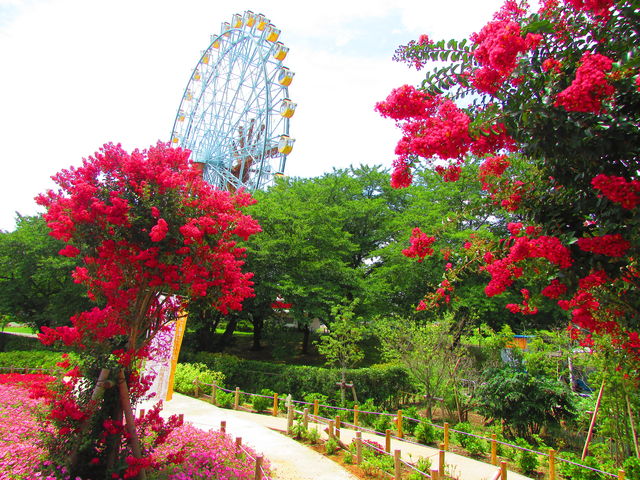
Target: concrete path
column 291, row 460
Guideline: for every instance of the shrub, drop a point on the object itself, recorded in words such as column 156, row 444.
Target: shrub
column 331, row 446
column 186, row 373
column 382, row 383
column 224, row 399
column 423, row 464
column 576, row 472
column 426, row 433
column 527, row 461
column 367, row 419
column 32, row 358
column 312, row 436
column 382, row 423
column 409, row 426
column 263, row 403
column 631, row 467
column 474, row 445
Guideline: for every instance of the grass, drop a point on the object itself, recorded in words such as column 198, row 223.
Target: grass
column 18, row 330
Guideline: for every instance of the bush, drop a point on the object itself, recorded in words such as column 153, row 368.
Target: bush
column 426, row 433
column 32, row 358
column 312, row 436
column 423, row 464
column 576, row 472
column 382, row 423
column 527, row 461
column 631, row 467
column 331, row 446
column 263, row 403
column 409, row 426
column 382, row 383
column 224, row 399
column 186, row 373
column 474, row 445
column 367, row 419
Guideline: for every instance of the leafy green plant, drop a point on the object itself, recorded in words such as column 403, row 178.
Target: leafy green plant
column 424, row 465
column 426, row 433
column 527, row 460
column 186, row 374
column 331, row 446
column 472, row 444
column 224, row 399
column 631, row 467
column 577, row 472
column 299, row 431
column 264, row 402
column 382, row 423
column 312, row 436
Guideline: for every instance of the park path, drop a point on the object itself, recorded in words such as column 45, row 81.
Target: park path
column 291, row 460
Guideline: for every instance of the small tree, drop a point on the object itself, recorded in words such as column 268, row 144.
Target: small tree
column 150, row 233
column 341, row 346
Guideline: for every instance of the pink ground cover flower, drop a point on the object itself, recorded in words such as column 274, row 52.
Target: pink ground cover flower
column 20, row 451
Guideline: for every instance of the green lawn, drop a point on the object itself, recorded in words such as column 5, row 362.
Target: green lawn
column 18, row 329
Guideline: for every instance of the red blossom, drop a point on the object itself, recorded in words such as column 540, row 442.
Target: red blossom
column 555, row 289
column 420, row 245
column 401, row 176
column 589, row 87
column 159, row 230
column 618, row 190
column 611, row 245
column 69, row 251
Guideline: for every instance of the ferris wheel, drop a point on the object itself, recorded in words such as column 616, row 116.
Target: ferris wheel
column 235, row 111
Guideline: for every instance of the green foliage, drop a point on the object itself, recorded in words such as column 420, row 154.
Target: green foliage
column 37, row 359
column 313, row 436
column 409, row 426
column 187, row 373
column 424, row 465
column 382, row 383
column 331, row 446
column 261, row 404
column 382, row 423
column 426, row 433
column 524, row 402
column 36, row 287
column 527, row 461
column 224, row 399
column 631, row 467
column 474, row 445
column 298, row 430
column 576, row 472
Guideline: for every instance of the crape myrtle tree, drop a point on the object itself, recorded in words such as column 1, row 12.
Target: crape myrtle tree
column 557, row 88
column 151, row 234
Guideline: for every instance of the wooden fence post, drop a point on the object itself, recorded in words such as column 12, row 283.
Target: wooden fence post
column 387, row 441
column 332, row 424
column 621, row 474
column 399, row 424
column 214, row 400
column 338, row 426
column 355, row 414
column 236, row 400
column 238, row 447
column 434, row 474
column 446, row 436
column 141, row 413
column 305, row 418
column 274, row 412
column 196, row 388
column 181, row 418
column 223, row 426
column 289, row 419
column 441, row 460
column 503, row 470
column 358, row 447
column 552, row 464
column 494, row 450
column 316, row 407
column 397, row 464
column 258, row 471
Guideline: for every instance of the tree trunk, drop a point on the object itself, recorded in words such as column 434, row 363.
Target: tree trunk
column 227, row 337
column 258, row 324
column 305, row 339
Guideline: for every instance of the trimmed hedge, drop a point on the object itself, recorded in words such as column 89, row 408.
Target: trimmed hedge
column 31, row 358
column 382, row 383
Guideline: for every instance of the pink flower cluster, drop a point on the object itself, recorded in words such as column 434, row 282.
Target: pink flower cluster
column 590, row 86
column 611, row 245
column 523, row 308
column 504, row 271
column 599, row 8
column 618, row 190
column 499, row 44
column 420, row 245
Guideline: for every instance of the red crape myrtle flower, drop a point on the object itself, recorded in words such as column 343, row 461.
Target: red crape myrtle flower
column 590, row 87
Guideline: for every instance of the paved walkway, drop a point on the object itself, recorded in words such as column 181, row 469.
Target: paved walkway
column 291, row 460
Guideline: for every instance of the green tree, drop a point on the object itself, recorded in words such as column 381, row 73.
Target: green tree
column 522, row 402
column 340, row 346
column 36, row 287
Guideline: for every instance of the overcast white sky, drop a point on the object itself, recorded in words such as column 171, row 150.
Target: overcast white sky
column 75, row 74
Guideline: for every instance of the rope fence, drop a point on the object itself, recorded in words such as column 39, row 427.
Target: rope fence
column 397, row 420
